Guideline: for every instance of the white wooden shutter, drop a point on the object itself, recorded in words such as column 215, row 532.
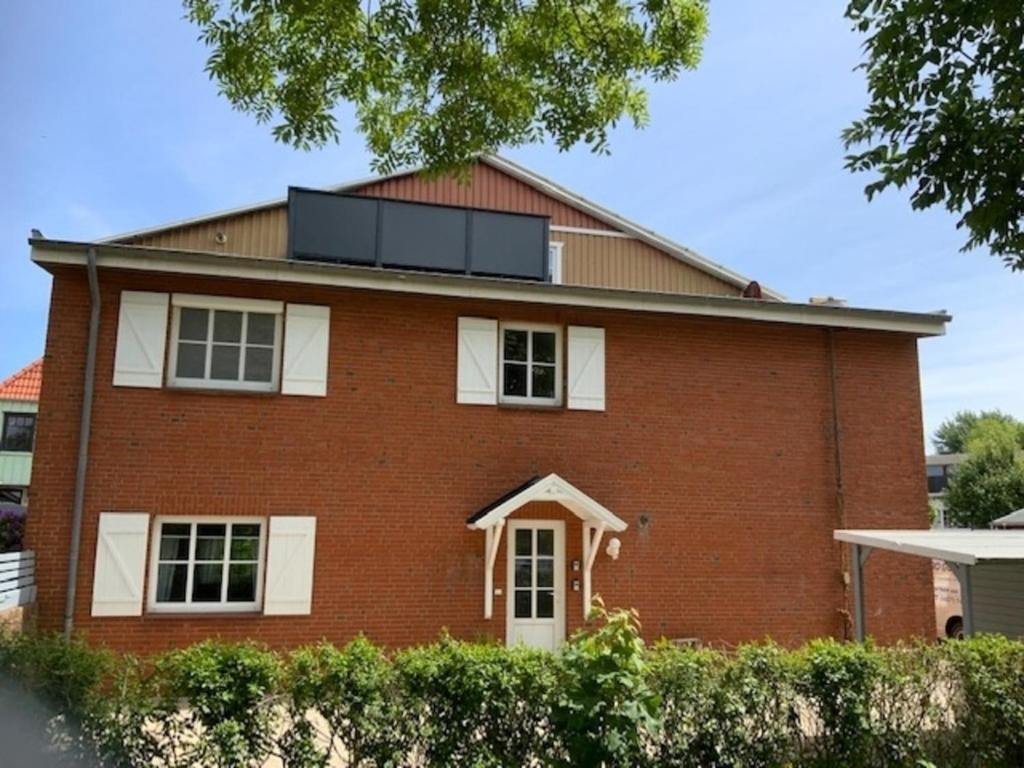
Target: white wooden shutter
column 291, row 548
column 120, row 564
column 477, row 361
column 306, row 342
column 141, row 340
column 586, row 368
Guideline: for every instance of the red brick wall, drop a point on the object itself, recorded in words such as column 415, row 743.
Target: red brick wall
column 716, row 447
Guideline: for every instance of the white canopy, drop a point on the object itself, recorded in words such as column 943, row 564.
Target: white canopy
column 953, row 546
column 550, row 488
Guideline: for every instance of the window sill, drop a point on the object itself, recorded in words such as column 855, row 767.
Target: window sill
column 222, row 391
column 151, row 614
column 548, row 407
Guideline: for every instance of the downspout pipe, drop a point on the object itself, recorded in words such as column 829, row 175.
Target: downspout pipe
column 85, row 430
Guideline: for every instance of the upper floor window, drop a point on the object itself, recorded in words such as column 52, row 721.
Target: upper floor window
column 18, row 432
column 555, row 263
column 227, row 345
column 207, row 565
column 531, row 364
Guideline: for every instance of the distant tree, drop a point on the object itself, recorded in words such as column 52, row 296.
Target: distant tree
column 946, row 117
column 953, row 434
column 990, row 483
column 436, row 83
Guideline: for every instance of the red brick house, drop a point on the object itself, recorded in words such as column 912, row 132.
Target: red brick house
column 403, row 405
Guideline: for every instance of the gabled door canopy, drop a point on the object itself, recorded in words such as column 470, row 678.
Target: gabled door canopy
column 596, row 520
column 550, row 488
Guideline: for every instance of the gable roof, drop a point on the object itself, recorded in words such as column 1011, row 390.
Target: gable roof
column 592, row 214
column 25, row 384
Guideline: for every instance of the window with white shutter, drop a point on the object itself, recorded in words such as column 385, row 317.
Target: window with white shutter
column 206, row 564
column 141, row 339
column 221, row 342
column 117, row 585
column 306, row 348
column 586, row 368
column 477, row 361
column 291, row 550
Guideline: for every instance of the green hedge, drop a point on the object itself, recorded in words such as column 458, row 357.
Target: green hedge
column 605, row 700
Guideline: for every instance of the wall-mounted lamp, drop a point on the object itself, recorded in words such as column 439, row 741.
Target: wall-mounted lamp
column 613, row 548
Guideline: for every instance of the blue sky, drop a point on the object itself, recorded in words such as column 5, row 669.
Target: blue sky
column 111, row 125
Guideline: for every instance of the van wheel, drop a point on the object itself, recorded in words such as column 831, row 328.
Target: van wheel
column 955, row 628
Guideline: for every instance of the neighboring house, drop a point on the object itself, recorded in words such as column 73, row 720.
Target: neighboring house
column 19, row 402
column 405, row 405
column 939, row 470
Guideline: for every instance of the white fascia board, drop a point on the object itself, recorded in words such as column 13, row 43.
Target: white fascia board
column 158, row 260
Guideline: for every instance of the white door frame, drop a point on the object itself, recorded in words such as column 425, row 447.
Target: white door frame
column 558, row 526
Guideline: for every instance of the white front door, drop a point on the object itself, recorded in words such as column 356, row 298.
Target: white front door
column 536, row 583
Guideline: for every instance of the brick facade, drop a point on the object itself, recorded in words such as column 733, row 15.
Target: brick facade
column 717, row 448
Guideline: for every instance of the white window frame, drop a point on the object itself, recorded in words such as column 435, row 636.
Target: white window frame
column 227, row 304
column 256, row 606
column 559, row 364
column 555, row 262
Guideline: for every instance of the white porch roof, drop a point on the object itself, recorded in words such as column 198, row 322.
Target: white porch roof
column 953, row 546
column 550, row 488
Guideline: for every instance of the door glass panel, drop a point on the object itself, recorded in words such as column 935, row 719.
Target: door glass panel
column 523, row 604
column 545, row 541
column 524, row 541
column 545, row 573
column 524, row 572
column 545, row 604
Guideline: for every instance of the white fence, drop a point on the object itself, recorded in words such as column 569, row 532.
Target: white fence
column 17, row 579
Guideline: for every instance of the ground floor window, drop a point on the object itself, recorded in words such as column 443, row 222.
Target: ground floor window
column 206, row 564
column 12, row 495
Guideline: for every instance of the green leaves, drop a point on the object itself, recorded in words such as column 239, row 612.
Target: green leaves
column 946, row 82
column 435, row 83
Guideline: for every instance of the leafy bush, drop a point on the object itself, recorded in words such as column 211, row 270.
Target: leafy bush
column 606, row 700
column 12, row 529
column 478, row 704
column 354, row 690
column 987, row 701
column 605, row 706
column 225, row 693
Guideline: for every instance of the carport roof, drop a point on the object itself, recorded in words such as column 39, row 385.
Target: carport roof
column 954, row 546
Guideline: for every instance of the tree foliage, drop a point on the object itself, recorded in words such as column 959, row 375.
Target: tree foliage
column 990, row 483
column 954, row 433
column 946, row 82
column 436, row 82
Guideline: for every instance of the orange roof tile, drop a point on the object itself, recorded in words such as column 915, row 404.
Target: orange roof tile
column 25, row 384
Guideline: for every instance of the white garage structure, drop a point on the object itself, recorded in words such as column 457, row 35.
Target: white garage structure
column 988, row 564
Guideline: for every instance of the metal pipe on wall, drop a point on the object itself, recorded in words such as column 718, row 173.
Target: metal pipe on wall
column 85, row 430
